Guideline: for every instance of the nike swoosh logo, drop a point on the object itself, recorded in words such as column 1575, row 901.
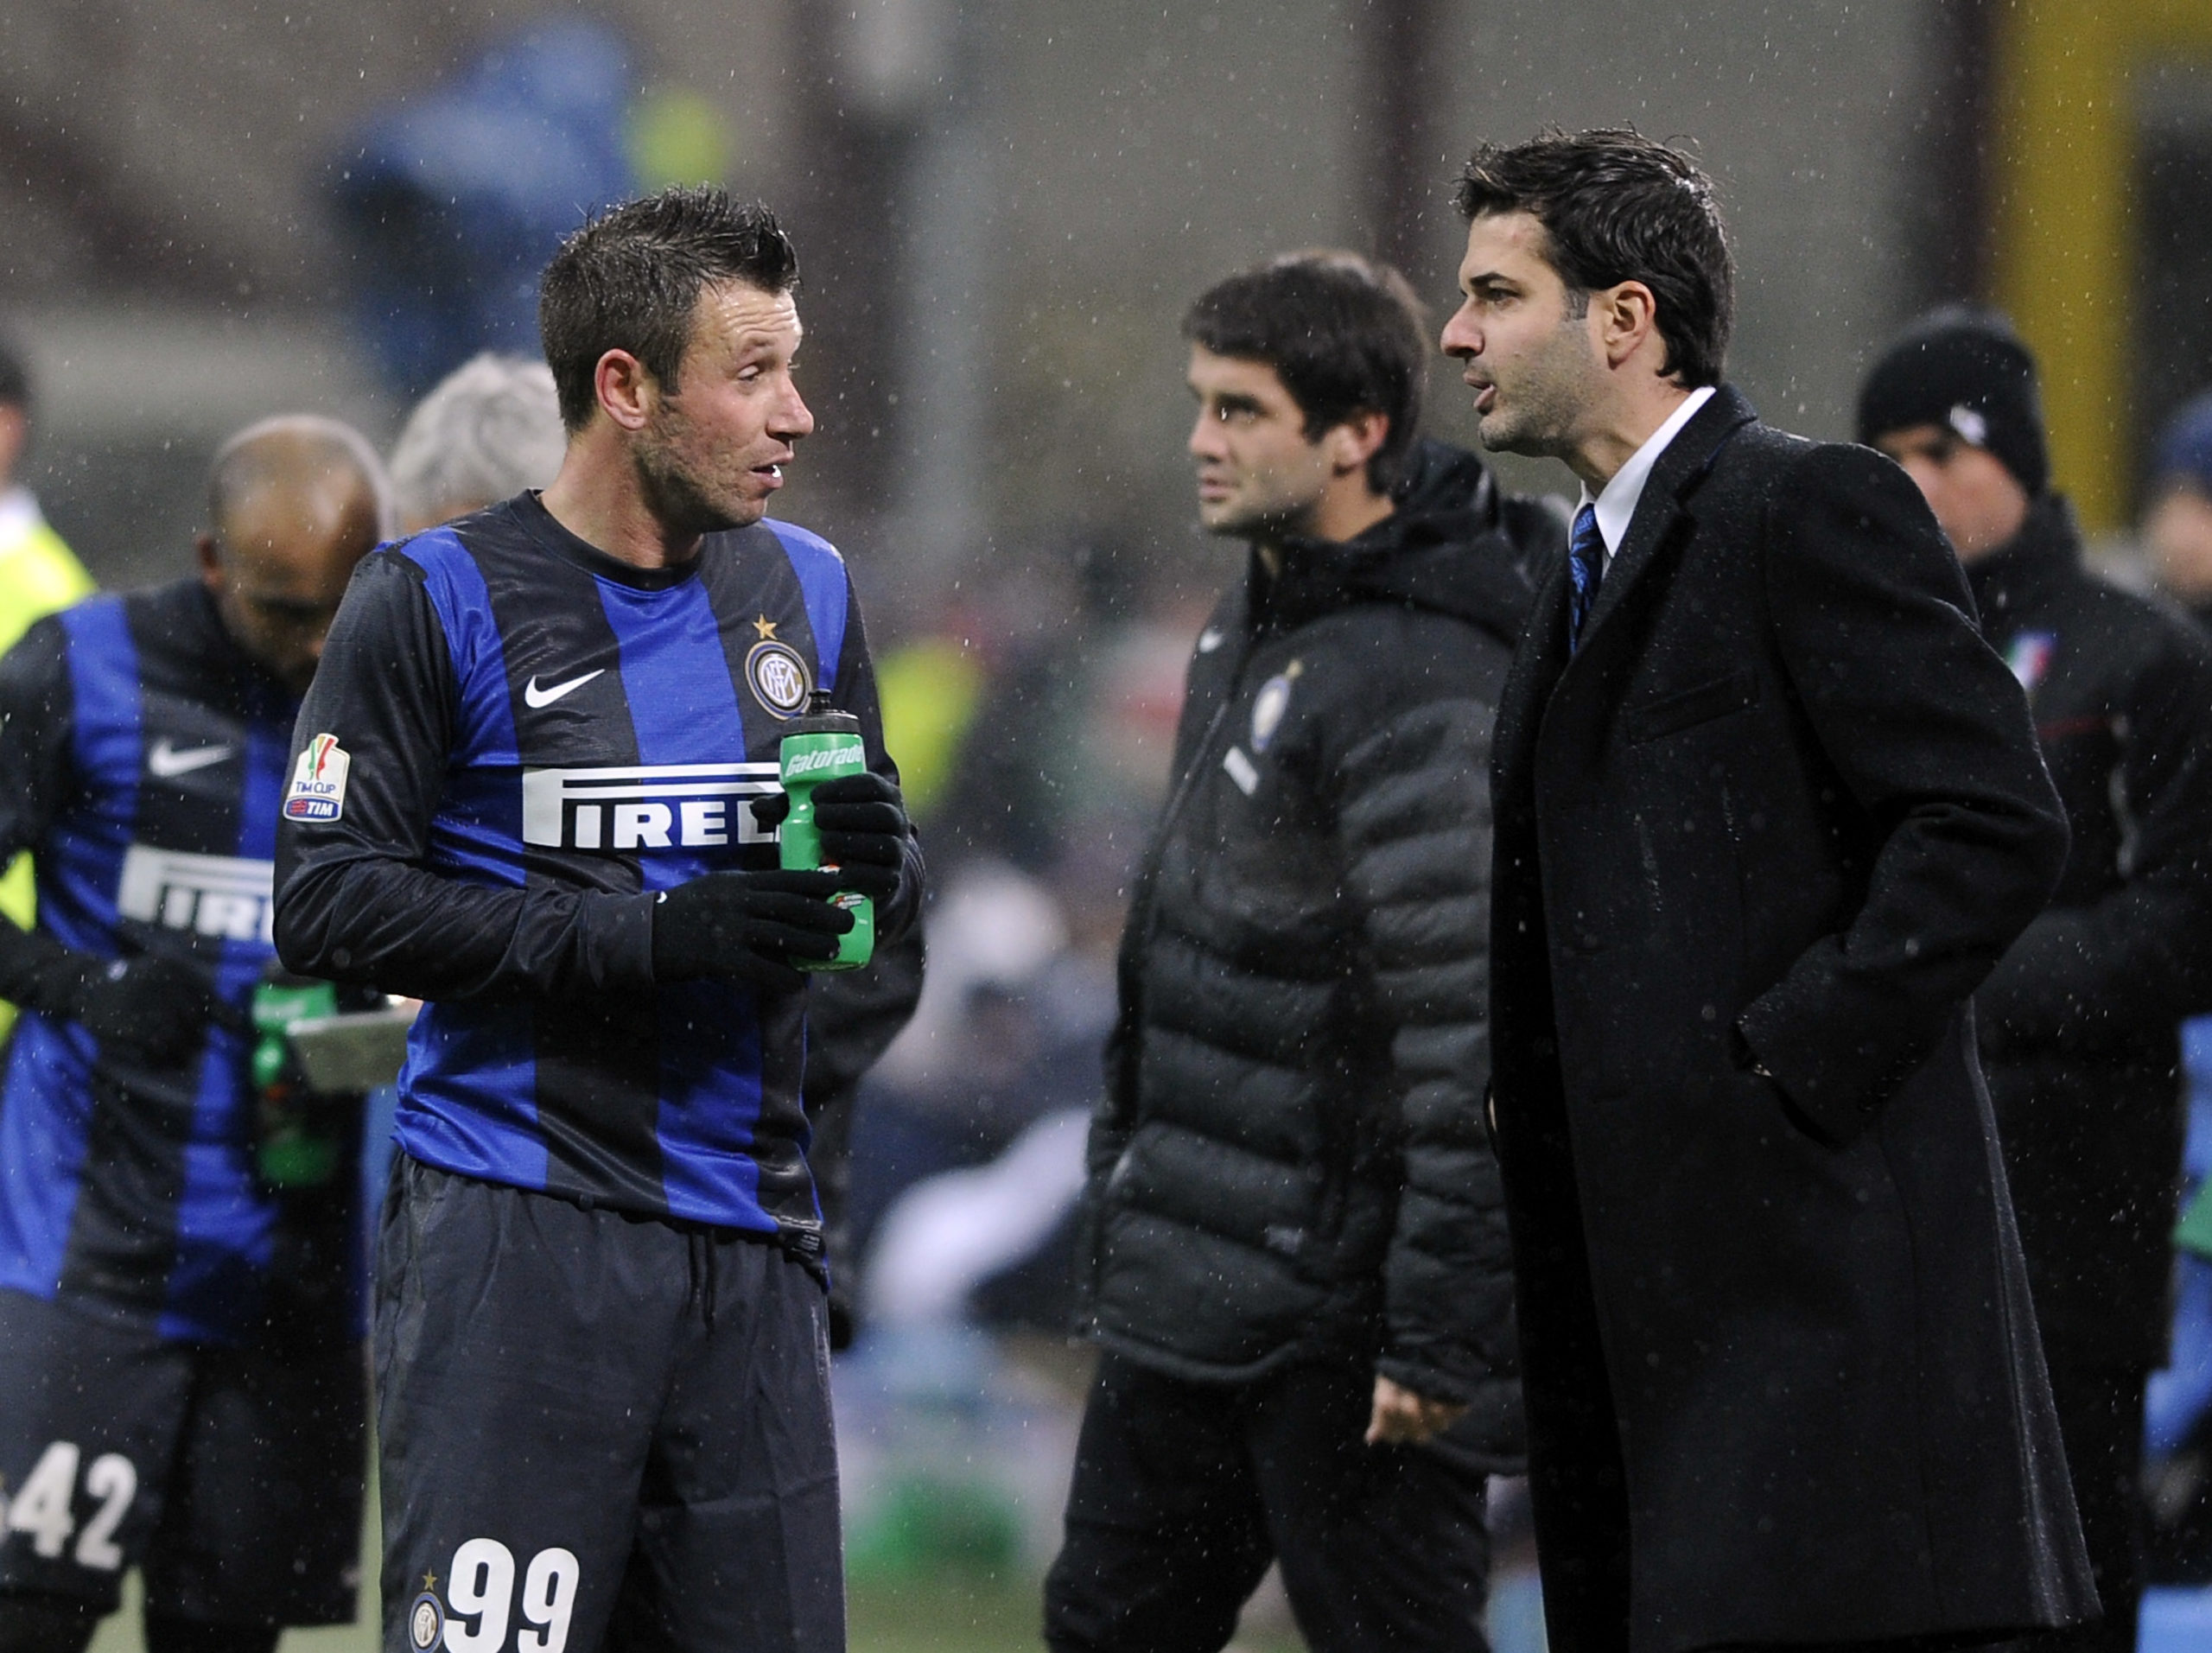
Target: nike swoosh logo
column 168, row 763
column 536, row 696
column 1209, row 640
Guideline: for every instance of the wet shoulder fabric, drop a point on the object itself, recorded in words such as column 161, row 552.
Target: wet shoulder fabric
column 141, row 758
column 535, row 740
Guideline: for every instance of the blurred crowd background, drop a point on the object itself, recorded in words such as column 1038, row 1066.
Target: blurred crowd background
column 216, row 210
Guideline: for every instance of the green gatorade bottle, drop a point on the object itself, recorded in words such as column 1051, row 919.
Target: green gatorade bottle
column 823, row 744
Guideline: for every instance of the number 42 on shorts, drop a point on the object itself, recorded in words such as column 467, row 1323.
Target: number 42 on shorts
column 479, row 1586
column 42, row 1509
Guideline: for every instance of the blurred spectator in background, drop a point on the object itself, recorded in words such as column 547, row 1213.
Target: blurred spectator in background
column 991, row 703
column 851, row 1020
column 2077, row 1021
column 971, row 1164
column 453, row 199
column 1295, row 1256
column 2177, row 1434
column 2177, row 1405
column 180, row 1324
column 39, row 574
column 2177, row 529
column 490, row 429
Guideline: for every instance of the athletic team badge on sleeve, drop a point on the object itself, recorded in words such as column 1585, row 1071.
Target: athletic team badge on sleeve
column 318, row 791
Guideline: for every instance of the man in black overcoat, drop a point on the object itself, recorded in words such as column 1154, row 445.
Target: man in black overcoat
column 1768, row 809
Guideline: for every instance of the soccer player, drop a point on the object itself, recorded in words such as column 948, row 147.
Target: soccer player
column 181, row 1380
column 528, row 792
column 490, row 430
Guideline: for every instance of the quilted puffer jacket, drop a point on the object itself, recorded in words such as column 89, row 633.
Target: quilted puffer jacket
column 1289, row 1160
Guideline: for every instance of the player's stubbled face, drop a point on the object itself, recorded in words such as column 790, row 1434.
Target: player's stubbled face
column 714, row 446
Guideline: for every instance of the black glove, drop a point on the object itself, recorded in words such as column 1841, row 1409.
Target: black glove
column 743, row 927
column 155, row 1008
column 864, row 830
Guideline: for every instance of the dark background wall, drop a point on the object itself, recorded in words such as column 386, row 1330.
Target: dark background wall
column 1003, row 209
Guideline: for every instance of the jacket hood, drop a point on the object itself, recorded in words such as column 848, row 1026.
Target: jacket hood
column 1445, row 548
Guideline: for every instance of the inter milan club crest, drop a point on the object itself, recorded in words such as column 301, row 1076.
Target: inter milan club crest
column 1270, row 705
column 780, row 678
column 426, row 1621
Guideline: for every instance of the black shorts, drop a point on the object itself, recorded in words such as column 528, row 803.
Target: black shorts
column 598, row 1430
column 233, row 1476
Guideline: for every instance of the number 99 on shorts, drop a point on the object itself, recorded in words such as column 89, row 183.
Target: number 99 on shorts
column 480, row 1602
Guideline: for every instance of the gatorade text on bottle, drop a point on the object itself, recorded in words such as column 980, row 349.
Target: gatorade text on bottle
column 823, row 744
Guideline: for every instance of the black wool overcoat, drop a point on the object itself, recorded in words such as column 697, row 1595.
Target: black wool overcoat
column 1783, row 808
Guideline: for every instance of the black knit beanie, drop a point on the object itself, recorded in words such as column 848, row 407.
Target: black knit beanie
column 1967, row 370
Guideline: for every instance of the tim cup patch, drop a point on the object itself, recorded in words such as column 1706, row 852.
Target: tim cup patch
column 780, row 678
column 426, row 1621
column 318, row 789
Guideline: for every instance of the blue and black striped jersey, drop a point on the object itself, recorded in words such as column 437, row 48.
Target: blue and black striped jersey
column 513, row 742
column 142, row 759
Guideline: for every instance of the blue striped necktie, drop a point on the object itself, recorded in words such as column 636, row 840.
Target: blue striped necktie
column 1586, row 566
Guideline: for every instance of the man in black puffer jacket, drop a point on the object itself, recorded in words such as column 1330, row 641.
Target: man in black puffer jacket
column 2078, row 1021
column 1298, row 1267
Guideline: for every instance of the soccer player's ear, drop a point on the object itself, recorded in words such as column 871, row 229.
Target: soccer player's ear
column 626, row 389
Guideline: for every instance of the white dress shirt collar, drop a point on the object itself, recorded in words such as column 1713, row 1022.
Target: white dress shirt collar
column 1616, row 500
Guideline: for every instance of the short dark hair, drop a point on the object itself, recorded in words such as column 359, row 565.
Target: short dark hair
column 1617, row 206
column 630, row 280
column 1344, row 334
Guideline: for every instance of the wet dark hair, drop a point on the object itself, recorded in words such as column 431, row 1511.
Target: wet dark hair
column 1617, row 206
column 631, row 278
column 1344, row 334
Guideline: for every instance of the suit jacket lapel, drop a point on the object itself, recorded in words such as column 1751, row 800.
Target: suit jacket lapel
column 1682, row 463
